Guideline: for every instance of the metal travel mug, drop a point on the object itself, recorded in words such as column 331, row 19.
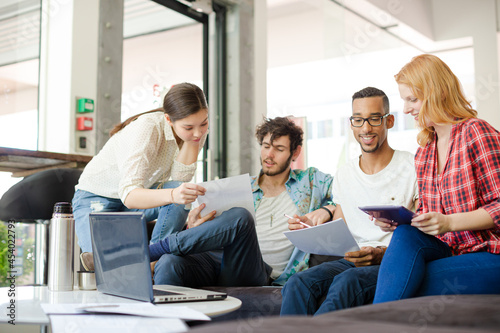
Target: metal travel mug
column 62, row 240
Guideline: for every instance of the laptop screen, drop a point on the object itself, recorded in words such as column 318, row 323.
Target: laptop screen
column 121, row 255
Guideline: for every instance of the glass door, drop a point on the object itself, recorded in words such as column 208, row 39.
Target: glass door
column 19, row 76
column 19, row 67
column 165, row 42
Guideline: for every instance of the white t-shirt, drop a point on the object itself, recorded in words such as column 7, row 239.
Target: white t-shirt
column 271, row 222
column 138, row 156
column 396, row 184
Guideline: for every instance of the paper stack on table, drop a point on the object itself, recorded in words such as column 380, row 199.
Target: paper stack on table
column 115, row 323
column 122, row 317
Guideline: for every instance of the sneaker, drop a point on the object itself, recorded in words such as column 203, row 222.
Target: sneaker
column 87, row 261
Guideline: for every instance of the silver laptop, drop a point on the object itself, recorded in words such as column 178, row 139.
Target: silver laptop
column 121, row 261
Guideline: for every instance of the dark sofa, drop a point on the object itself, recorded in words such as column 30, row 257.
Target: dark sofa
column 431, row 314
column 261, row 306
column 259, row 301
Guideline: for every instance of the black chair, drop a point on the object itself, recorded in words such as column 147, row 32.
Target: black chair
column 32, row 201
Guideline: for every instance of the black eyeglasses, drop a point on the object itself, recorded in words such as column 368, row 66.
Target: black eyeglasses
column 373, row 121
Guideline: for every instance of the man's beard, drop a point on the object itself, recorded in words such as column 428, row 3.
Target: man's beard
column 371, row 150
column 281, row 168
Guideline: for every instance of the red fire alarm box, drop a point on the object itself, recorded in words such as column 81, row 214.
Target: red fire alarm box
column 84, row 123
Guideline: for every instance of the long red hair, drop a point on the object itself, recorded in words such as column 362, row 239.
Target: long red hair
column 440, row 91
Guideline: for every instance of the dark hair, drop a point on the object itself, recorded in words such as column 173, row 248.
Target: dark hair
column 372, row 92
column 278, row 127
column 181, row 101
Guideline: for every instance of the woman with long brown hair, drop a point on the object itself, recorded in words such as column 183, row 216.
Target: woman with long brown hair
column 145, row 165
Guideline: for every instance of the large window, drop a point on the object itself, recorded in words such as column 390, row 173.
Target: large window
column 19, row 59
column 319, row 54
column 161, row 48
column 19, row 68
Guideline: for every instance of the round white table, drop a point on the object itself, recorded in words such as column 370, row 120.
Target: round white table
column 28, row 300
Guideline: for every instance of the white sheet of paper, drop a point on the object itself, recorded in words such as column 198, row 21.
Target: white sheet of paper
column 67, row 308
column 137, row 309
column 150, row 310
column 224, row 194
column 115, row 323
column 331, row 238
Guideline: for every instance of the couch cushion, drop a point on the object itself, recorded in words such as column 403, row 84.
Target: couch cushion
column 431, row 314
column 255, row 302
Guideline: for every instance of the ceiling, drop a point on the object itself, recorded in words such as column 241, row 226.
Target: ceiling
column 20, row 30
column 367, row 11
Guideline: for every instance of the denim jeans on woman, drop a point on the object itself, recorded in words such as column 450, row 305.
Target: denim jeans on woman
column 169, row 218
column 417, row 264
column 224, row 252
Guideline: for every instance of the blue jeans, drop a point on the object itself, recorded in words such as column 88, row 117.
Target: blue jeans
column 343, row 284
column 417, row 264
column 169, row 218
column 234, row 260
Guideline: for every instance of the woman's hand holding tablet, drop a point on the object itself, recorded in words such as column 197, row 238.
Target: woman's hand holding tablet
column 393, row 215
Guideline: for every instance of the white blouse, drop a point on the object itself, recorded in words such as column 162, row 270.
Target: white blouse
column 138, row 156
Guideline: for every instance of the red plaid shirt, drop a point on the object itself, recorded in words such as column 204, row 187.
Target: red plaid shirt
column 470, row 180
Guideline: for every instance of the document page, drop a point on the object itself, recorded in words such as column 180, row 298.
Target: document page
column 137, row 309
column 331, row 238
column 224, row 194
column 115, row 323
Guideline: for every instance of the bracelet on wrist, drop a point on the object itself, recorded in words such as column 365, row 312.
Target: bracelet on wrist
column 329, row 212
column 172, row 195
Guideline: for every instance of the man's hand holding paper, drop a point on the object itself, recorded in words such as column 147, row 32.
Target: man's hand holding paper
column 298, row 222
column 366, row 256
column 195, row 219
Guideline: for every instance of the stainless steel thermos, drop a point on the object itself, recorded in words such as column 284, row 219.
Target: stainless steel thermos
column 61, row 247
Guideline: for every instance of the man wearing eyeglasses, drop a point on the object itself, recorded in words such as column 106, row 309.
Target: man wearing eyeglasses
column 380, row 175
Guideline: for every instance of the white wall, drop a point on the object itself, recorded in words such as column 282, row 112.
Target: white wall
column 448, row 19
column 68, row 68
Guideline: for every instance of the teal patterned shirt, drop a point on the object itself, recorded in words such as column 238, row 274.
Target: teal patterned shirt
column 309, row 189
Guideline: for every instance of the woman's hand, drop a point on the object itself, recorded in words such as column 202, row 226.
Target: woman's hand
column 194, row 219
column 387, row 227
column 432, row 223
column 186, row 193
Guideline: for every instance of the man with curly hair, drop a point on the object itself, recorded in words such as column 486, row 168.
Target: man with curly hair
column 232, row 249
